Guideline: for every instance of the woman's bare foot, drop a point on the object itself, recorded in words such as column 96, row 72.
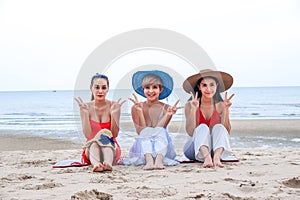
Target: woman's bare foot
column 159, row 162
column 206, row 156
column 107, row 166
column 98, row 168
column 149, row 162
column 148, row 166
column 208, row 162
column 217, row 157
column 217, row 162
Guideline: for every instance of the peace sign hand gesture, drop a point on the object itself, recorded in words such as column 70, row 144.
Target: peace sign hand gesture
column 137, row 105
column 227, row 101
column 194, row 103
column 172, row 109
column 116, row 106
column 84, row 108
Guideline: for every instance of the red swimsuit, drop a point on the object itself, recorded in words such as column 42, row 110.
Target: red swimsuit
column 213, row 120
column 96, row 127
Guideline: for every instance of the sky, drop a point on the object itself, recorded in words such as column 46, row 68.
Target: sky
column 43, row 44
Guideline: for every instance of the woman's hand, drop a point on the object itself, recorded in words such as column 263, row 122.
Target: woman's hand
column 84, row 108
column 194, row 103
column 172, row 109
column 137, row 105
column 227, row 101
column 116, row 106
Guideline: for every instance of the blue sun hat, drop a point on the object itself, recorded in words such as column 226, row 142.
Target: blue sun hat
column 167, row 81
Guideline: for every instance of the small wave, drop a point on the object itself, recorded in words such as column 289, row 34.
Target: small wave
column 295, row 140
column 271, row 138
column 25, row 114
column 290, row 115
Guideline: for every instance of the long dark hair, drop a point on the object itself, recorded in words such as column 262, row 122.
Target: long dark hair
column 97, row 75
column 217, row 97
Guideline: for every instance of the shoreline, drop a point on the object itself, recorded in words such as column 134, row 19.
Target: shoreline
column 240, row 128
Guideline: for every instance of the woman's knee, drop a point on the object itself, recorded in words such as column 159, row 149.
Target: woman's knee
column 201, row 130
column 219, row 129
column 94, row 146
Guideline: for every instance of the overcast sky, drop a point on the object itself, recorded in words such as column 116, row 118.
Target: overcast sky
column 43, row 44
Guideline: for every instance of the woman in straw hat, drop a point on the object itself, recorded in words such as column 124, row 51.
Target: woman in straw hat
column 207, row 117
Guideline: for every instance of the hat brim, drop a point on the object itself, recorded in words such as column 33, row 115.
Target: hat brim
column 166, row 79
column 225, row 80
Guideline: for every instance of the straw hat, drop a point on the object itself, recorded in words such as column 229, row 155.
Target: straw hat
column 167, row 81
column 225, row 80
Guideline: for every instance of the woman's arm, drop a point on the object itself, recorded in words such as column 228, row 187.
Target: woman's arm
column 86, row 125
column 225, row 112
column 115, row 112
column 170, row 111
column 85, row 117
column 138, row 117
column 166, row 118
column 225, row 118
column 190, row 111
column 137, row 114
column 190, row 116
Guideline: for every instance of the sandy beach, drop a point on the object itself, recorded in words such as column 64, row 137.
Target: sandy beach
column 272, row 173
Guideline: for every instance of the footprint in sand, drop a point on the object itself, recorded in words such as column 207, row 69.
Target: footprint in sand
column 233, row 197
column 16, row 177
column 93, row 194
column 108, row 179
column 292, row 183
column 41, row 187
column 232, row 180
column 197, row 196
column 64, row 171
column 34, row 163
column 146, row 192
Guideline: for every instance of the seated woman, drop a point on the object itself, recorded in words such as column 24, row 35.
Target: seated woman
column 100, row 123
column 153, row 146
column 207, row 117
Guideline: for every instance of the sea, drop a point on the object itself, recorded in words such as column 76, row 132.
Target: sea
column 55, row 114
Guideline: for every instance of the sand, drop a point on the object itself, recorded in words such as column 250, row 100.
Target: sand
column 272, row 173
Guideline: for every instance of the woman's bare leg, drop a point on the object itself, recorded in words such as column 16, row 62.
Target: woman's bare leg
column 108, row 158
column 94, row 154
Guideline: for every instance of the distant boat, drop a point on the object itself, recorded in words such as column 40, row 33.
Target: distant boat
column 53, row 90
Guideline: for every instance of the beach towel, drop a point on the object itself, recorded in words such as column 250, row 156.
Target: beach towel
column 69, row 163
column 230, row 158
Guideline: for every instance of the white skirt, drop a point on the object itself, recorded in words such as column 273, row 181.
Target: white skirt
column 152, row 141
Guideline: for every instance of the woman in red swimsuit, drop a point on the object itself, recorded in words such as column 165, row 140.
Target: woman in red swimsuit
column 100, row 123
column 207, row 117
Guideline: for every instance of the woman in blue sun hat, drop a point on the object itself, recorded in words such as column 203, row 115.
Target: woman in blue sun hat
column 153, row 146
